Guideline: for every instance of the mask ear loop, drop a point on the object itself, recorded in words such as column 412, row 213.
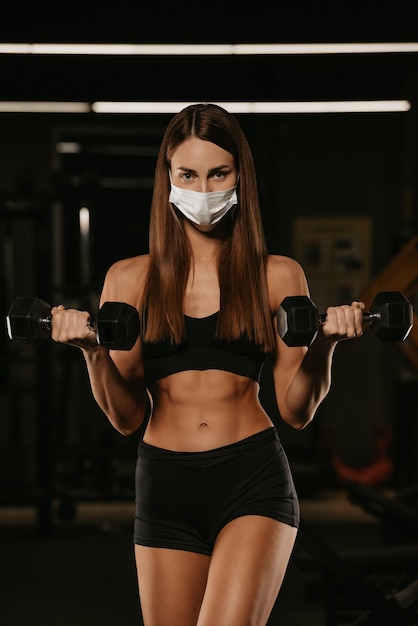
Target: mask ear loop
column 174, row 209
column 236, row 207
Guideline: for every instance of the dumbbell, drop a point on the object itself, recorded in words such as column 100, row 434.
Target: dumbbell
column 390, row 315
column 29, row 321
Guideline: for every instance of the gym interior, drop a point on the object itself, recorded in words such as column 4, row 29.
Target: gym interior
column 338, row 192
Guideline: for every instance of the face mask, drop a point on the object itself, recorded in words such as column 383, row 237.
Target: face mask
column 203, row 208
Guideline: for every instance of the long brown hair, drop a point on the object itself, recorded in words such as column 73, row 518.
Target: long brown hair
column 244, row 308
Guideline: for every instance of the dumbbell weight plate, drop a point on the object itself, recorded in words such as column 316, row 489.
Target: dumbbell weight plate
column 117, row 325
column 395, row 316
column 28, row 321
column 297, row 321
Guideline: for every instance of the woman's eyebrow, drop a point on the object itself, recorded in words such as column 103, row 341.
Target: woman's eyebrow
column 213, row 170
column 186, row 169
column 217, row 168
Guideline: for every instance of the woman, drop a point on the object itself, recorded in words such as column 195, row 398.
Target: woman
column 216, row 509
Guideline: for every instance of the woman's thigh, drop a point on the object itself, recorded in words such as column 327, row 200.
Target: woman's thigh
column 246, row 572
column 171, row 585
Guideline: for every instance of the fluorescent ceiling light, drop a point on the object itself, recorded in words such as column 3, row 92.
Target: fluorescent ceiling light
column 209, row 49
column 371, row 106
column 44, row 107
column 349, row 106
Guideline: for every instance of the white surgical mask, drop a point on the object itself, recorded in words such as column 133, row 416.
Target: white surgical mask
column 203, row 208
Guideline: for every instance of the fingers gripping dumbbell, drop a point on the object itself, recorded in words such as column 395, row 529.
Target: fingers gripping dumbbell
column 390, row 315
column 116, row 325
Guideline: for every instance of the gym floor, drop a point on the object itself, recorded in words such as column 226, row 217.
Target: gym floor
column 84, row 574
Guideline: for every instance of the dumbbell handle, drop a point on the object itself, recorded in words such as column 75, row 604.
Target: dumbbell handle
column 47, row 322
column 368, row 317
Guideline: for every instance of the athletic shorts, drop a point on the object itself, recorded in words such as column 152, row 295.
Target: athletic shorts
column 184, row 499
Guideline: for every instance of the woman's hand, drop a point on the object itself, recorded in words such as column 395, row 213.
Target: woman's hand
column 343, row 322
column 72, row 327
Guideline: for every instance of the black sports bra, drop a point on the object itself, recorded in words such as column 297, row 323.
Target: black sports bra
column 202, row 351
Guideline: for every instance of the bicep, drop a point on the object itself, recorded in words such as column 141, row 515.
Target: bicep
column 121, row 284
column 286, row 278
column 129, row 364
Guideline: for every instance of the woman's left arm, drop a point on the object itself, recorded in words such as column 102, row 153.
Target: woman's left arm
column 302, row 375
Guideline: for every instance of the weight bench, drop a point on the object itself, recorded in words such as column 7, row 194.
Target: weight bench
column 369, row 587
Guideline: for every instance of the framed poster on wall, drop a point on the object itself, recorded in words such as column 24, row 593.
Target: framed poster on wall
column 335, row 253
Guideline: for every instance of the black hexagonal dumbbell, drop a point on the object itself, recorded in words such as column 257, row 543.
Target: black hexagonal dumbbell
column 29, row 321
column 390, row 316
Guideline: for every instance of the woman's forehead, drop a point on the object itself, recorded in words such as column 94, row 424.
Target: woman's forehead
column 197, row 153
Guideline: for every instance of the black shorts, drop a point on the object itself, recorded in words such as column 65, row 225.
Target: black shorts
column 183, row 499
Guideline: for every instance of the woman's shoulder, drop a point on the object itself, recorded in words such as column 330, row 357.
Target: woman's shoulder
column 125, row 279
column 131, row 265
column 285, row 277
column 283, row 265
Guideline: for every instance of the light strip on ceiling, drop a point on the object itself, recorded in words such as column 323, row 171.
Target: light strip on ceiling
column 44, row 107
column 355, row 106
column 208, row 49
column 371, row 106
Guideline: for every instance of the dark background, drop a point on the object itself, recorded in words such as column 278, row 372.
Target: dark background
column 57, row 449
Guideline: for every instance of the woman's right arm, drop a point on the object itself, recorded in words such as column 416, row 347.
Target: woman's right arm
column 302, row 375
column 116, row 376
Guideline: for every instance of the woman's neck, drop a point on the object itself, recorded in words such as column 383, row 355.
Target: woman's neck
column 204, row 245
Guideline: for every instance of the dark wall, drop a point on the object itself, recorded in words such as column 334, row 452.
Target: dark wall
column 307, row 166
